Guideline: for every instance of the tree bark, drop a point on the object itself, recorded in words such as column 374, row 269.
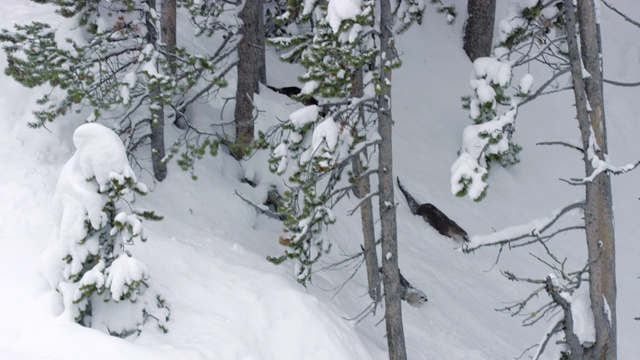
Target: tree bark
column 599, row 208
column 389, row 231
column 157, row 113
column 251, row 71
column 363, row 187
column 478, row 29
column 168, row 30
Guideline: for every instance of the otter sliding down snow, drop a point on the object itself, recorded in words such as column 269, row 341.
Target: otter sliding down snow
column 436, row 218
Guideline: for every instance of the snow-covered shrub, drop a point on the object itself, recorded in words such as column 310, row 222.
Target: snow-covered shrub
column 89, row 262
column 493, row 106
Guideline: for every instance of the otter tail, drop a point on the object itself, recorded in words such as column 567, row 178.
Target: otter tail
column 413, row 204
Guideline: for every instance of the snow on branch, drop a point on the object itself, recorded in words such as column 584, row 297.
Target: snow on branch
column 525, row 233
column 599, row 165
column 489, row 139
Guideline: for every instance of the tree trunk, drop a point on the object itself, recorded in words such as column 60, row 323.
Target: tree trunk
column 389, row 231
column 363, row 187
column 157, row 113
column 168, row 30
column 599, row 208
column 251, row 71
column 478, row 30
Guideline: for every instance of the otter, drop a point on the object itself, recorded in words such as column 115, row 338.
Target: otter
column 434, row 217
column 408, row 293
column 294, row 93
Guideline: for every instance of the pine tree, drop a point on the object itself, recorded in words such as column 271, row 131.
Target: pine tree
column 102, row 284
column 107, row 56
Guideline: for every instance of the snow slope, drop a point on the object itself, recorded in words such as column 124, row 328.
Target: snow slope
column 208, row 255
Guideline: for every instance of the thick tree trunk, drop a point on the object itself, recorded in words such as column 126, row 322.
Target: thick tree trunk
column 599, row 208
column 251, row 71
column 168, row 30
column 157, row 114
column 478, row 30
column 389, row 231
column 363, row 187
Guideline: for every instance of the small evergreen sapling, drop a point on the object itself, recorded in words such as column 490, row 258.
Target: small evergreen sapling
column 526, row 38
column 102, row 284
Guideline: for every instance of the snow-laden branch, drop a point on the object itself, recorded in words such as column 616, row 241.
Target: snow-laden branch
column 600, row 165
column 529, row 231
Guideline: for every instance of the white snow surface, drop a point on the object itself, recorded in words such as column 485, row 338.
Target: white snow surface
column 208, row 256
column 583, row 319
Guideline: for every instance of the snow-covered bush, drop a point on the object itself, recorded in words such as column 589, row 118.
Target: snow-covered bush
column 88, row 262
column 493, row 106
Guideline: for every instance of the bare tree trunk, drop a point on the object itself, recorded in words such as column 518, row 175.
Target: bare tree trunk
column 478, row 30
column 251, row 70
column 157, row 113
column 168, row 30
column 363, row 187
column 599, row 208
column 389, row 231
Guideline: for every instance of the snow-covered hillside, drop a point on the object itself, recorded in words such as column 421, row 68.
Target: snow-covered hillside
column 208, row 255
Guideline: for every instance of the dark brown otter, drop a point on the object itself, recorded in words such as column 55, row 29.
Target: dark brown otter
column 294, row 93
column 436, row 218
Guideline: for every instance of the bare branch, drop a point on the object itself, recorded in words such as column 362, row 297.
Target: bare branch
column 545, row 85
column 554, row 330
column 366, row 198
column 182, row 108
column 618, row 83
column 562, row 143
column 264, row 211
column 628, row 19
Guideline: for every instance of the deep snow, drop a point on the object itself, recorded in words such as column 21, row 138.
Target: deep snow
column 208, row 255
